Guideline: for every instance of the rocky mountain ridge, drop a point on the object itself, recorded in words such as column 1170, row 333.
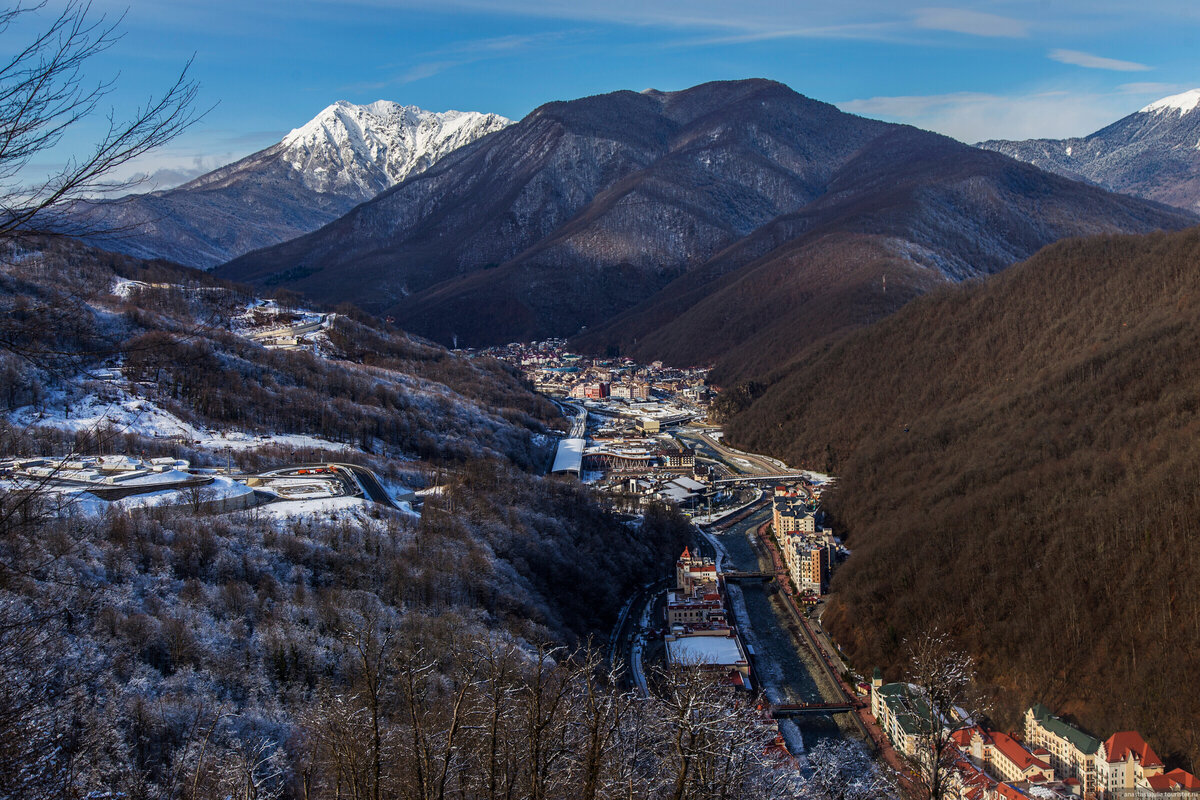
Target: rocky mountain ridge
column 346, row 154
column 619, row 218
column 1153, row 153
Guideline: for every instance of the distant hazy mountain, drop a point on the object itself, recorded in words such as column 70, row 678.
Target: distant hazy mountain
column 1153, row 153
column 692, row 223
column 345, row 155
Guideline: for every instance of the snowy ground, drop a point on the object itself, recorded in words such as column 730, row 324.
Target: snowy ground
column 354, row 509
column 706, row 519
column 80, row 501
column 330, row 507
column 818, row 478
column 130, row 414
column 273, row 316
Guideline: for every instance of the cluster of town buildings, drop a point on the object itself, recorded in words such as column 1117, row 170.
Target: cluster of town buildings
column 626, row 448
column 601, row 390
column 557, row 372
column 1051, row 759
column 698, row 631
column 808, row 549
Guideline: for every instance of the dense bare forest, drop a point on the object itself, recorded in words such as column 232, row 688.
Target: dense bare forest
column 365, row 654
column 1019, row 461
column 168, row 655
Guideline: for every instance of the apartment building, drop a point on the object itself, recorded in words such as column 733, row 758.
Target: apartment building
column 1072, row 752
column 902, row 714
column 1125, row 763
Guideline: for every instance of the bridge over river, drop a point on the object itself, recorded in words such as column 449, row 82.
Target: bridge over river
column 798, row 709
column 799, row 683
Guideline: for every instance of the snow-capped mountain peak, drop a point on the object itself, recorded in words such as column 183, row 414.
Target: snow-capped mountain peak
column 346, row 154
column 1181, row 103
column 364, row 149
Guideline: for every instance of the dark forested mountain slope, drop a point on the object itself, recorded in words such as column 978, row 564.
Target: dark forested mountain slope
column 580, row 210
column 1152, row 153
column 679, row 224
column 911, row 211
column 1018, row 463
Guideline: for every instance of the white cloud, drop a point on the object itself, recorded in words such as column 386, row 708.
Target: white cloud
column 1082, row 59
column 877, row 31
column 1154, row 88
column 189, row 157
column 975, row 23
column 976, row 116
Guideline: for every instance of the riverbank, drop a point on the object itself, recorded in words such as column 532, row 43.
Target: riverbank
column 781, row 663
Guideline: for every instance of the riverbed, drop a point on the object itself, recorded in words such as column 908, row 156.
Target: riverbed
column 782, row 665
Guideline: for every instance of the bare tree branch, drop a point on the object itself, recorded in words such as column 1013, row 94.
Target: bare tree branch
column 44, row 93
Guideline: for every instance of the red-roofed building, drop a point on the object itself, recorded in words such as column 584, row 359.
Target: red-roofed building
column 1124, row 763
column 693, row 573
column 1003, row 790
column 1013, row 762
column 1174, row 785
column 1002, row 755
column 967, row 781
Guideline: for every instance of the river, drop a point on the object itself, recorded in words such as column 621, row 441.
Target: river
column 781, row 663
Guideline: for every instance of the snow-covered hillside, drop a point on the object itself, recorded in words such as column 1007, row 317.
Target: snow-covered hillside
column 1182, row 103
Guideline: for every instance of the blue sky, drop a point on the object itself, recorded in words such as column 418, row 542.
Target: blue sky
column 1003, row 69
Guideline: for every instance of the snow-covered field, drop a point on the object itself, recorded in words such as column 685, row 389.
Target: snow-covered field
column 353, row 509
column 77, row 500
column 328, row 507
column 130, row 414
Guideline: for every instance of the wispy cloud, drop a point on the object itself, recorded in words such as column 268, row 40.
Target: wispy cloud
column 460, row 54
column 1082, row 59
column 513, row 43
column 975, row 23
column 975, row 116
column 863, row 31
column 1151, row 87
column 416, row 72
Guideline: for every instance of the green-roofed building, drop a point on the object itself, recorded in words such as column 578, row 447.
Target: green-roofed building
column 901, row 712
column 1072, row 752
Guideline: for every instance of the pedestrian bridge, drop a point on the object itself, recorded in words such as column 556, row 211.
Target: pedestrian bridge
column 747, row 576
column 798, row 709
column 783, row 476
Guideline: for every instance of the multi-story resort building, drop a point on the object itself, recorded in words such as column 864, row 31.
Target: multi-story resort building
column 1072, row 752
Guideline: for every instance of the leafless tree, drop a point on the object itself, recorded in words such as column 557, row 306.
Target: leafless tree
column 944, row 678
column 714, row 744
column 598, row 711
column 45, row 92
column 251, row 768
column 843, row 770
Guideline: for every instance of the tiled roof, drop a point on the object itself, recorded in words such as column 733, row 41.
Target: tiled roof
column 1085, row 744
column 1173, row 781
column 1122, row 743
column 1015, row 753
column 1009, row 792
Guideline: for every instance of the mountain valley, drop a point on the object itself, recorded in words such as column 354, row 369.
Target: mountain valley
column 681, row 225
